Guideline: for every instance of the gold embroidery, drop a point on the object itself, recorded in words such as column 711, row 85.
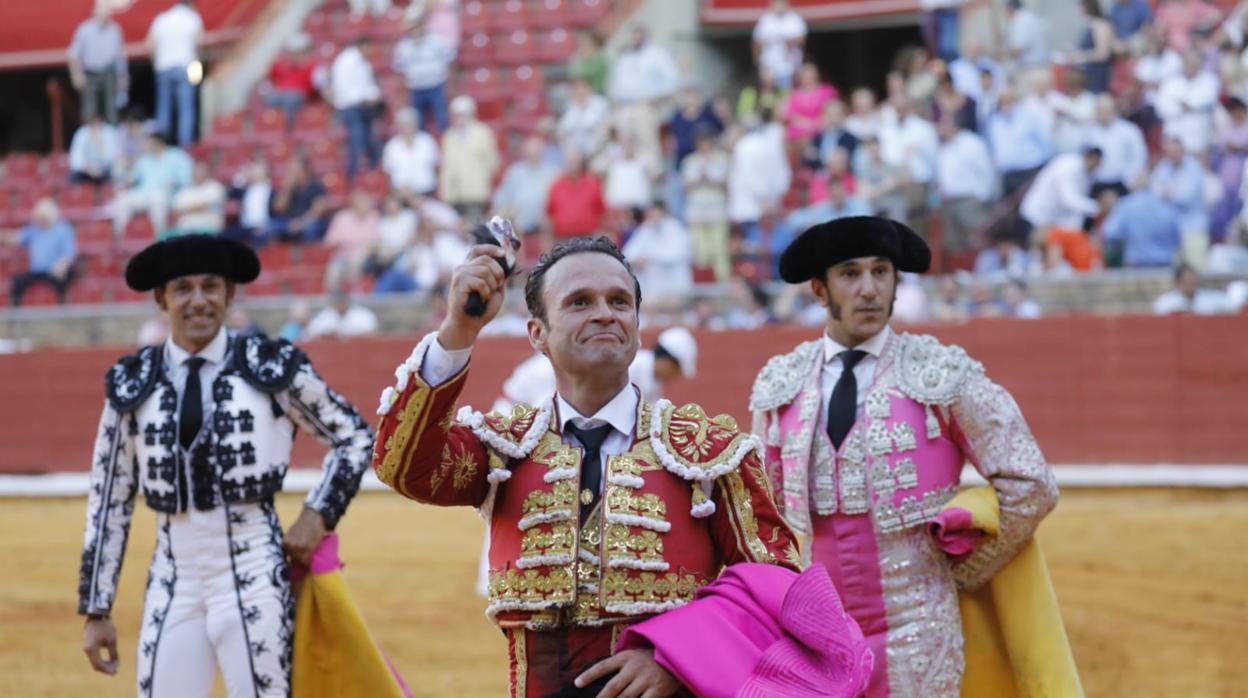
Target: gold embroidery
column 742, row 518
column 622, row 501
column 554, row 454
column 550, row 584
column 447, row 422
column 555, row 541
column 625, row 587
column 465, row 469
column 405, row 428
column 438, row 476
column 520, row 660
column 623, row 544
column 560, row 501
column 692, row 437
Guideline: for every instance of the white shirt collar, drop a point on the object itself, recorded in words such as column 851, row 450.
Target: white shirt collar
column 620, row 412
column 214, row 352
column 873, row 346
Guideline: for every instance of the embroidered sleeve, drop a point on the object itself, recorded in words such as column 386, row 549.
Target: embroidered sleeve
column 422, row 451
column 110, row 505
column 767, row 427
column 319, row 410
column 996, row 439
column 746, row 524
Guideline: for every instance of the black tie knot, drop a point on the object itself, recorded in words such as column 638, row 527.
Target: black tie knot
column 591, row 439
column 851, row 357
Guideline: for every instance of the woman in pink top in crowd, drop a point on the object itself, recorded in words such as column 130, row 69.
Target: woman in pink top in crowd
column 805, row 103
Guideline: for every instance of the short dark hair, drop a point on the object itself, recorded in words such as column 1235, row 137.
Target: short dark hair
column 601, row 244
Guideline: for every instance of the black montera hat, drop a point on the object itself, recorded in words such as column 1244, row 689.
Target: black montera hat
column 828, row 244
column 191, row 254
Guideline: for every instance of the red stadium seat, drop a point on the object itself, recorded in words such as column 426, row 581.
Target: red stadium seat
column 585, row 13
column 549, row 14
column 21, row 166
column 269, row 126
column 474, row 17
column 26, row 198
column 510, row 15
column 351, row 27
column 88, row 290
column 279, row 151
column 514, row 48
column 392, row 26
column 374, row 182
column 313, row 123
column 95, row 232
column 526, row 110
column 56, row 169
column 525, row 79
column 77, row 201
column 319, row 25
column 482, row 84
column 555, row 46
column 476, row 50
column 227, row 130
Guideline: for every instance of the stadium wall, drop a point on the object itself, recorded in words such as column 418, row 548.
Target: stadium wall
column 1094, row 389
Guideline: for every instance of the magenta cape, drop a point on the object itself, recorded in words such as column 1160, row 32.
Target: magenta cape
column 760, row 630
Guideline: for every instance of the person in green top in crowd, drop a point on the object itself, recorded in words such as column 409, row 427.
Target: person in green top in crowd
column 589, row 62
column 764, row 94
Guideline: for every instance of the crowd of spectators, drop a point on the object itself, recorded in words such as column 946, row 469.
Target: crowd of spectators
column 1016, row 162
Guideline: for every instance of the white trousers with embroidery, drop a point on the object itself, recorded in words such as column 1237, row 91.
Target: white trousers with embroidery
column 218, row 596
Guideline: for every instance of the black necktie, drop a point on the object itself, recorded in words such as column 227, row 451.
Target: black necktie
column 192, row 403
column 591, row 464
column 843, row 407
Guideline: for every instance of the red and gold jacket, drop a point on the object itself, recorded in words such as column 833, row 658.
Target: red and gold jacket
column 688, row 498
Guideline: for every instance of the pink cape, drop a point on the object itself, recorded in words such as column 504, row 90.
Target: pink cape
column 760, row 631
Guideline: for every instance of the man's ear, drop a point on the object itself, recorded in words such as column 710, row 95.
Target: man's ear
column 820, row 290
column 229, row 293
column 537, row 335
column 159, row 294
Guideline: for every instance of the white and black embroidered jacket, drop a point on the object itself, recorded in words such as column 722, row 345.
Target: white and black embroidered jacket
column 266, row 389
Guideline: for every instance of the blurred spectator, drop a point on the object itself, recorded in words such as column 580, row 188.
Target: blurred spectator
column 804, row 107
column 443, row 18
column 1074, row 108
column 470, row 159
column 1005, row 258
column 779, row 41
column 342, row 319
column 523, row 193
column 1179, row 18
column 351, row 237
column 253, row 190
column 1129, row 17
column 424, row 58
column 355, row 95
column 760, row 173
column 747, row 308
column 298, row 211
column 1158, row 63
column 627, row 175
column 763, row 241
column 1185, row 103
column 642, row 75
column 705, row 177
column 982, row 301
column 1188, row 297
column 1179, row 180
column 153, row 331
column 878, row 182
column 1071, row 249
column 1143, row 230
column 836, row 165
column 575, row 205
column 910, row 304
column 832, row 135
column 864, row 120
column 93, row 151
column 966, row 72
column 410, row 157
column 174, row 39
column 51, row 250
column 1231, row 154
column 376, row 8
column 586, row 120
column 918, row 74
column 240, row 321
column 292, row 329
column 396, row 233
column 589, row 62
column 694, row 113
column 661, row 251
column 940, row 26
column 986, row 105
column 291, row 77
column 1094, row 55
column 97, row 65
column 966, row 182
column 1027, row 37
column 948, row 102
column 838, row 204
column 1124, row 154
column 764, row 94
column 131, row 140
column 552, row 150
column 1059, row 196
column 912, row 144
column 427, row 263
column 157, row 175
column 947, row 305
column 1020, row 142
column 199, row 207
column 1017, row 303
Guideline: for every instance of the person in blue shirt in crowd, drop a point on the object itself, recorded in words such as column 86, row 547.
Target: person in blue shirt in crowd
column 839, row 204
column 1143, row 230
column 51, row 248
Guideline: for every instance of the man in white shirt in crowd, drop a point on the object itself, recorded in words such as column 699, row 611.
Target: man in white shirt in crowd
column 355, row 94
column 779, row 39
column 1059, row 196
column 174, row 39
column 522, row 194
column 1026, row 38
column 586, row 120
column 93, row 152
column 1188, row 297
column 661, row 251
column 253, row 188
column 1020, row 141
column 704, row 175
column 967, row 182
column 410, row 157
column 967, row 71
column 199, row 207
column 97, row 64
column 912, row 144
column 424, row 58
column 760, row 172
column 642, row 76
column 1124, row 153
column 342, row 319
column 1158, row 64
column 1185, row 103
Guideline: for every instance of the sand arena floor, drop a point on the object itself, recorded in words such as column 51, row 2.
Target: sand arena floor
column 1153, row 585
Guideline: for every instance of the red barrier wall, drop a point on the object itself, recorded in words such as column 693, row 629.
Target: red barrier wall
column 1095, row 389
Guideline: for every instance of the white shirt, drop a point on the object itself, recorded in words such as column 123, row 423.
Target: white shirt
column 663, row 255
column 911, row 143
column 395, row 233
column 412, row 165
column 584, row 126
column 1206, row 302
column 1028, row 35
column 1153, row 69
column 1124, row 154
column 964, row 168
column 253, row 212
column 1185, row 106
column 759, row 174
column 214, row 360
column 356, row 321
column 864, row 370
column 1072, row 118
column 351, row 80
column 776, row 34
column 644, row 74
column 175, row 36
column 210, row 194
column 423, row 62
column 1059, row 195
column 627, row 182
column 93, row 148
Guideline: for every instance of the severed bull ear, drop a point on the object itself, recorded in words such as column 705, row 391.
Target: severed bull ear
column 500, row 233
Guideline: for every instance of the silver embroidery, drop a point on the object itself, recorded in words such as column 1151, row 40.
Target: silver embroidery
column 879, row 406
column 906, row 474
column 903, row 437
column 853, row 472
column 878, row 439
